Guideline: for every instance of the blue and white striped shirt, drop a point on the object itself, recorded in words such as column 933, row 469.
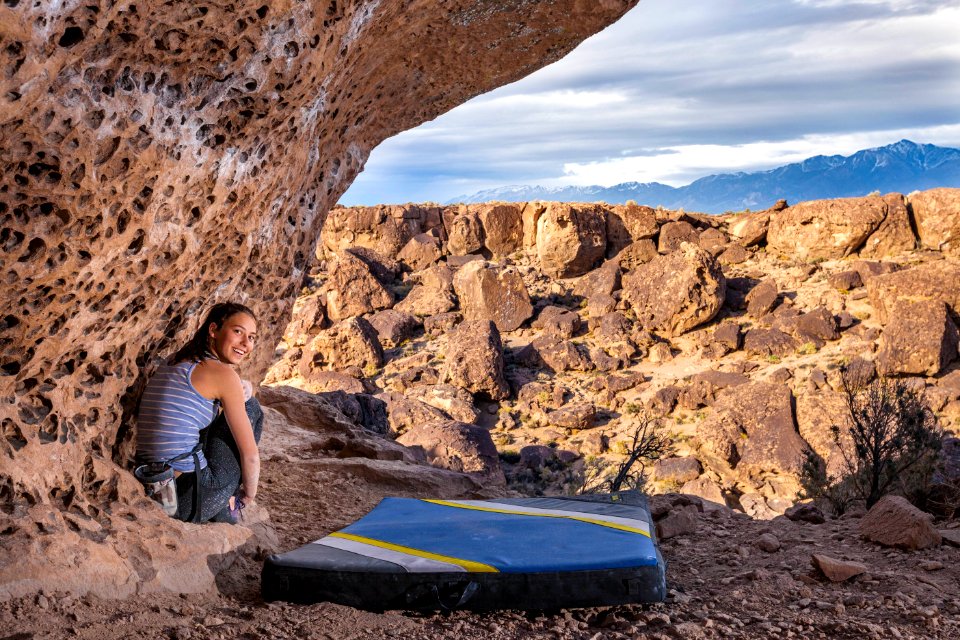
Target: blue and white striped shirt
column 172, row 413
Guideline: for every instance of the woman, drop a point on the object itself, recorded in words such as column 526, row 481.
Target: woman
column 213, row 453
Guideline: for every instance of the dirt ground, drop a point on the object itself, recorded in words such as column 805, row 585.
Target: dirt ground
column 721, row 584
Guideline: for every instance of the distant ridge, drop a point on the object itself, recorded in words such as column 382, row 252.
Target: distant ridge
column 904, row 166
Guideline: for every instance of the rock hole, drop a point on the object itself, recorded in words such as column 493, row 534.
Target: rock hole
column 34, row 250
column 70, row 37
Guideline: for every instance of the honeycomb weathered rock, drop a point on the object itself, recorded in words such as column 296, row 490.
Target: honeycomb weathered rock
column 158, row 157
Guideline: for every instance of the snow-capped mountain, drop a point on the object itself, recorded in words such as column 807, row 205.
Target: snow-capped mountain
column 904, row 166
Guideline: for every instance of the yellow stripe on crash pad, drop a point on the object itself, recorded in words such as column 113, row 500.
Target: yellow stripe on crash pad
column 469, row 565
column 596, row 519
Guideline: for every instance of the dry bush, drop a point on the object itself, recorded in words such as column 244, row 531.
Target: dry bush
column 891, row 445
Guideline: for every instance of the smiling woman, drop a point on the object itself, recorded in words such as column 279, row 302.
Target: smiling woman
column 199, row 425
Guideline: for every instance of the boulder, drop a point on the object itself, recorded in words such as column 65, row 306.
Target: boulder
column 937, row 215
column 465, row 234
column 349, row 343
column 817, row 413
column 676, row 470
column 761, row 299
column 673, row 234
column 502, row 228
column 817, row 325
column 308, row 318
column 679, row 521
column 453, row 401
column 601, row 281
column 805, row 512
column 383, row 228
column 713, row 241
column 939, row 280
column 427, row 301
column 845, row 280
column 530, row 216
column 491, row 292
column 394, row 327
column 727, row 335
column 352, row 289
column 403, row 413
column 894, row 235
column 574, row 416
column 421, row 251
column 664, row 400
column 571, row 239
column 837, row 570
column 557, row 321
column 752, row 428
column 634, row 255
column 555, row 353
column 441, row 323
column 676, row 292
column 628, row 223
column 474, row 359
column 769, row 343
column 751, row 228
column 456, row 446
column 894, row 522
column 438, row 276
column 537, row 456
column 384, row 269
column 734, row 253
column 318, row 381
column 825, row 229
column 707, row 490
column 919, row 339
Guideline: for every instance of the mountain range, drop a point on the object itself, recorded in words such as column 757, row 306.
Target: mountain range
column 902, row 167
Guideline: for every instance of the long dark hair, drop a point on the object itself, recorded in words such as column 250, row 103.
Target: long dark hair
column 198, row 346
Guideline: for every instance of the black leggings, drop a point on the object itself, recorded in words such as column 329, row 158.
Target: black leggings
column 220, row 479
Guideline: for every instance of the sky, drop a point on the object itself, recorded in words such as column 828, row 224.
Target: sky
column 677, row 90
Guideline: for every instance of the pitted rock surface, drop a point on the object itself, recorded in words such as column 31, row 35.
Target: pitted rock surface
column 159, row 157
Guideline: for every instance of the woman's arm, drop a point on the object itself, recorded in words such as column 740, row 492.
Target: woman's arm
column 231, row 396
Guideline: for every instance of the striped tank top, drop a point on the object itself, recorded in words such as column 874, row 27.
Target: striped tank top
column 172, row 413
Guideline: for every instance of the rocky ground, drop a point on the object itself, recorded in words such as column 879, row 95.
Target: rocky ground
column 515, row 349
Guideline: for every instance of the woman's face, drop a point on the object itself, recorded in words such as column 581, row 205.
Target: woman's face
column 234, row 339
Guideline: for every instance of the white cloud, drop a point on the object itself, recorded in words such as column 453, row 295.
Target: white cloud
column 671, row 95
column 680, row 165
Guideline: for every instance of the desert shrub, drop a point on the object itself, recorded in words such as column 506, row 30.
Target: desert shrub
column 891, row 445
column 647, row 445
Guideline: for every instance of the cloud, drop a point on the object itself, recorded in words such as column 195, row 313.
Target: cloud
column 669, row 96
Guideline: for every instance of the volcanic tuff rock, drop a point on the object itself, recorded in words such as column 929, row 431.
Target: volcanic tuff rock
column 676, row 292
column 571, row 239
column 937, row 280
column 474, row 359
column 490, row 292
column 353, row 290
column 158, row 157
column 825, row 229
column 919, row 339
column 937, row 214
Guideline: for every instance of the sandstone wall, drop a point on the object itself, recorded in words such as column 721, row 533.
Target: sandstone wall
column 158, row 157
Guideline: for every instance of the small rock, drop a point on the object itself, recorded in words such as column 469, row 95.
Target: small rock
column 931, row 565
column 768, row 542
column 837, row 570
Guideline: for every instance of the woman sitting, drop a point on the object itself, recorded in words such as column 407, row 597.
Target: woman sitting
column 213, row 453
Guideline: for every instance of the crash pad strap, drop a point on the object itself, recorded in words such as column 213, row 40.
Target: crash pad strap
column 414, row 560
column 613, row 522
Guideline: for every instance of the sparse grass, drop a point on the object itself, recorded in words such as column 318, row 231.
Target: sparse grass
column 862, row 315
column 632, row 408
column 807, row 349
column 773, row 359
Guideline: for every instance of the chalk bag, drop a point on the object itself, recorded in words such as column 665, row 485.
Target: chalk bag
column 161, row 485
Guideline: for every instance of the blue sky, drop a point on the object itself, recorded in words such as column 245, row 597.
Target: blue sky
column 678, row 90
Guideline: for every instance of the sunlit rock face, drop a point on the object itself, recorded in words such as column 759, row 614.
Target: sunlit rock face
column 156, row 157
